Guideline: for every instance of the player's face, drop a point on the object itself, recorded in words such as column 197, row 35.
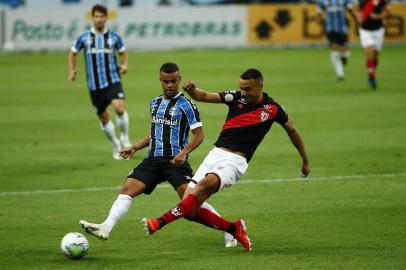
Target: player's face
column 251, row 90
column 99, row 20
column 170, row 83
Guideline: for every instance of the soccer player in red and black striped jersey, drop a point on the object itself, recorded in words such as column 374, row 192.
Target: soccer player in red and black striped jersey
column 250, row 116
column 372, row 33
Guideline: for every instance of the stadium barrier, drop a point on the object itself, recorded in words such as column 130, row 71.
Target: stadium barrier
column 182, row 27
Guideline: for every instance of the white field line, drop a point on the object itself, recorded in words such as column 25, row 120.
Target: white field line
column 244, row 181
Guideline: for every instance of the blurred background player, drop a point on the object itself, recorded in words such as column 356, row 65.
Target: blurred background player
column 336, row 30
column 372, row 33
column 172, row 117
column 251, row 113
column 103, row 75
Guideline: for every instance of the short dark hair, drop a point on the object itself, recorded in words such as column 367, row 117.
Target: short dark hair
column 99, row 8
column 169, row 68
column 252, row 74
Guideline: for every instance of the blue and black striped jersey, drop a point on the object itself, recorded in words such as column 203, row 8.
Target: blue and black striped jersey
column 171, row 120
column 101, row 62
column 335, row 14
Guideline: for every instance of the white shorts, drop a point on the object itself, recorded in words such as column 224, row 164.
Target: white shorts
column 229, row 167
column 372, row 38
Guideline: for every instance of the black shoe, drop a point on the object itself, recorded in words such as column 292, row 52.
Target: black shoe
column 372, row 83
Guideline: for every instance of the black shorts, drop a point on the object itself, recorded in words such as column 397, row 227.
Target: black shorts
column 337, row 38
column 102, row 98
column 154, row 171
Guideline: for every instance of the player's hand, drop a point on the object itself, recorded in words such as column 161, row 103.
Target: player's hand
column 189, row 86
column 179, row 159
column 123, row 69
column 305, row 169
column 127, row 153
column 72, row 75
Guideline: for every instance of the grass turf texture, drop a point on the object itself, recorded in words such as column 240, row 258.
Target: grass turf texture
column 50, row 140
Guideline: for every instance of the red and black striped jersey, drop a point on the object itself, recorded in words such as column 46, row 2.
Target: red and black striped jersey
column 371, row 6
column 246, row 124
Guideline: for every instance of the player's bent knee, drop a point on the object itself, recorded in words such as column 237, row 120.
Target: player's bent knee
column 132, row 188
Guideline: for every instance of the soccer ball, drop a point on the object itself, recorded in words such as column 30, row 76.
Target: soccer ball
column 74, row 245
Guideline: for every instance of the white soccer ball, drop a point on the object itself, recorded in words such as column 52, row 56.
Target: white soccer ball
column 74, row 245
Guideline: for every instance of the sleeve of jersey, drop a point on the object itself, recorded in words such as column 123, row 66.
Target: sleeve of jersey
column 192, row 114
column 77, row 46
column 282, row 115
column 119, row 44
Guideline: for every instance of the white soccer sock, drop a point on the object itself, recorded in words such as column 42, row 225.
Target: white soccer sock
column 337, row 64
column 110, row 131
column 123, row 123
column 118, row 210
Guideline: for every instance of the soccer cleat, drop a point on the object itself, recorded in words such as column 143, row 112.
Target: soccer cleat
column 151, row 225
column 125, row 141
column 372, row 83
column 94, row 229
column 241, row 234
column 229, row 240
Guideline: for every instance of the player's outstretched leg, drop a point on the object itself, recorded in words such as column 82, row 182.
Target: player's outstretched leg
column 97, row 230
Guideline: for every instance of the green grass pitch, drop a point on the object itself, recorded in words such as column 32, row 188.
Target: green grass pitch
column 350, row 214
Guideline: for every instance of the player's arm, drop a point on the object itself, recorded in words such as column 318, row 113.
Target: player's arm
column 130, row 151
column 297, row 141
column 200, row 94
column 197, row 139
column 123, row 62
column 72, row 66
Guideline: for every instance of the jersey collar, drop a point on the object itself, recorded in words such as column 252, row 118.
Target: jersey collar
column 93, row 30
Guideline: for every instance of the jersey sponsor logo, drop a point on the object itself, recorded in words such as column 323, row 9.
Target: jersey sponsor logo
column 102, row 50
column 164, row 121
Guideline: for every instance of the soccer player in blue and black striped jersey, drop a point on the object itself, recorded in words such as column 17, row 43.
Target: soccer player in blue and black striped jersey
column 103, row 75
column 172, row 117
column 336, row 31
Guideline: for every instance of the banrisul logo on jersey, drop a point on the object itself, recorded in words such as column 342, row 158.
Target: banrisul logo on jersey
column 164, row 121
